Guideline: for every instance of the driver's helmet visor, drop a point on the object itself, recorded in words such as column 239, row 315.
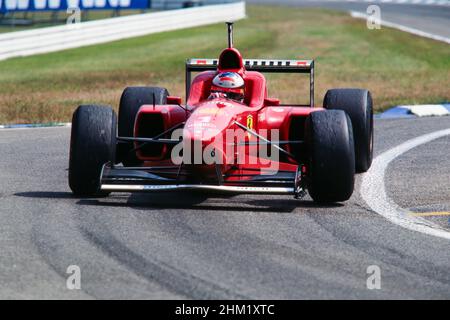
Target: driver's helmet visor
column 237, row 94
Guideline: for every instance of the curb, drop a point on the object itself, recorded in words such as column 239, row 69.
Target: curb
column 36, row 125
column 411, row 111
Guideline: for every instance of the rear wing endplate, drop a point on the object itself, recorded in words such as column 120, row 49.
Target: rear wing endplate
column 264, row 66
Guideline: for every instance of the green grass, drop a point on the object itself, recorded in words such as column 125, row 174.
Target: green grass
column 397, row 67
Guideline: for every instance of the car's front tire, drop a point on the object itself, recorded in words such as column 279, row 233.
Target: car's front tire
column 92, row 144
column 331, row 156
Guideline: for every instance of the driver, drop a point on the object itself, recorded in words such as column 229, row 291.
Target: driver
column 229, row 85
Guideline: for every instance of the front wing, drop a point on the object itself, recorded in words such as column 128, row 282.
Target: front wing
column 160, row 179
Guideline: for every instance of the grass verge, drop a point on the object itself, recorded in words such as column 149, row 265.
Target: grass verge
column 397, row 67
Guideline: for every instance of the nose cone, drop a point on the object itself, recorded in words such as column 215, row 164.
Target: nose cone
column 208, row 121
column 204, row 138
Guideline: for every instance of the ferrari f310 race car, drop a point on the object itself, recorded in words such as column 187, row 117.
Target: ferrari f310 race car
column 250, row 144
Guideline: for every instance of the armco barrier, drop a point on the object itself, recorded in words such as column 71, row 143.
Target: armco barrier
column 25, row 43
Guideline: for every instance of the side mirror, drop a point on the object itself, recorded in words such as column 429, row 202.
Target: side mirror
column 173, row 100
column 271, row 102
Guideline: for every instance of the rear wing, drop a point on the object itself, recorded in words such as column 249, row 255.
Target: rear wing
column 264, row 66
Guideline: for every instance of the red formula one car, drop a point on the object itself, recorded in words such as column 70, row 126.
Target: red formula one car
column 228, row 137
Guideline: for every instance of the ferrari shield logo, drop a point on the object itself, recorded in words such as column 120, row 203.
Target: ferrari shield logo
column 249, row 124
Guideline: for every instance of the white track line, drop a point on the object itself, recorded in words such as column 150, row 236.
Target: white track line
column 417, row 32
column 373, row 190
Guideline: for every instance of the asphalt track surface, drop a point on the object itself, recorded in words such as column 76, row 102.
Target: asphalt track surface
column 188, row 245
column 434, row 19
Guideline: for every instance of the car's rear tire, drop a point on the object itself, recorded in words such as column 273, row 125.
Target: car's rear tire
column 331, row 156
column 130, row 102
column 92, row 144
column 357, row 103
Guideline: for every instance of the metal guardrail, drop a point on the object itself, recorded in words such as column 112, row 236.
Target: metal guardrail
column 43, row 40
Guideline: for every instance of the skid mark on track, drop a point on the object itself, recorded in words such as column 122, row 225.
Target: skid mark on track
column 167, row 276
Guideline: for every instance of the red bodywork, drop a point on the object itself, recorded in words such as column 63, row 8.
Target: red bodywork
column 207, row 121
